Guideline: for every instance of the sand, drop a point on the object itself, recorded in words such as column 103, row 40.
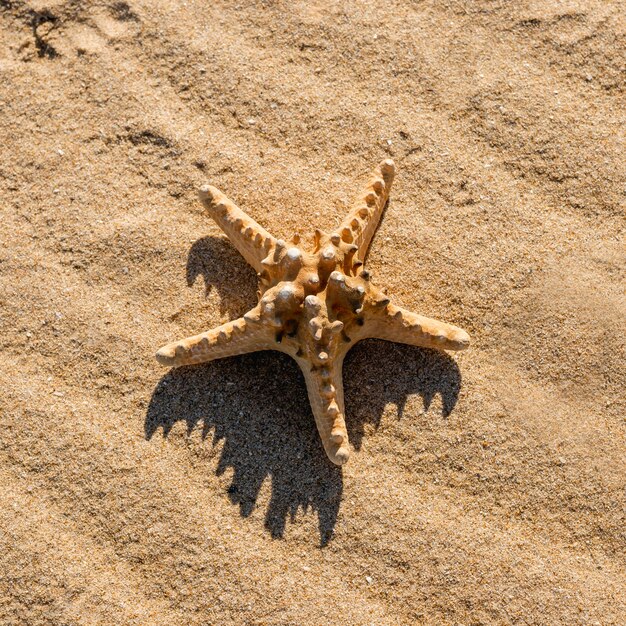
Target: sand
column 484, row 488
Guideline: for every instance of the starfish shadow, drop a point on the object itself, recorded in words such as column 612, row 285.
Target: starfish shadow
column 222, row 267
column 257, row 404
column 377, row 373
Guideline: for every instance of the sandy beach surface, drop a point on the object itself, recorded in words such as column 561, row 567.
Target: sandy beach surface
column 483, row 488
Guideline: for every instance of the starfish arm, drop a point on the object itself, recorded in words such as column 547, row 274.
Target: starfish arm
column 360, row 224
column 325, row 389
column 237, row 337
column 251, row 239
column 396, row 324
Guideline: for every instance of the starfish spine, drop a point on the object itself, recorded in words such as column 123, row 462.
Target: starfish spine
column 239, row 336
column 360, row 224
column 252, row 240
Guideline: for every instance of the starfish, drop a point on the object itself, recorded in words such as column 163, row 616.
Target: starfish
column 313, row 305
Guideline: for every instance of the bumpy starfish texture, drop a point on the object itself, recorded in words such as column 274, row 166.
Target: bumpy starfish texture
column 313, row 305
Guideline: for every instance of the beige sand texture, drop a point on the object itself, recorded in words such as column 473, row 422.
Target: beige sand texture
column 483, row 488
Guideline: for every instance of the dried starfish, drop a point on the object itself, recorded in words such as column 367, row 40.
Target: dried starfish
column 313, row 306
